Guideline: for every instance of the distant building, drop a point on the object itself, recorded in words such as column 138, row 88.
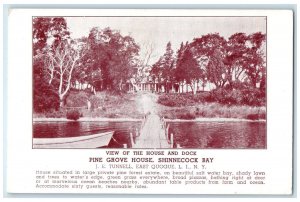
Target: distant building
column 148, row 85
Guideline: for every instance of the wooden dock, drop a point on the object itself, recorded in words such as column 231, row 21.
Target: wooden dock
column 153, row 134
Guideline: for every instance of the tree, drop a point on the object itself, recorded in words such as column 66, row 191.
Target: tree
column 188, row 70
column 164, row 67
column 45, row 97
column 211, row 50
column 47, row 32
column 60, row 64
column 179, row 72
column 255, row 63
column 245, row 58
column 111, row 58
column 235, row 58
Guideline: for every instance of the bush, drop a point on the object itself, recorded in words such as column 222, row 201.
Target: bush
column 77, row 99
column 187, row 115
column 96, row 101
column 246, row 95
column 73, row 115
column 253, row 97
column 256, row 116
column 112, row 116
column 55, row 114
column 184, row 99
column 45, row 100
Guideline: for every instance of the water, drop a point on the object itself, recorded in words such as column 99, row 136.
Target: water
column 73, row 129
column 229, row 135
column 198, row 135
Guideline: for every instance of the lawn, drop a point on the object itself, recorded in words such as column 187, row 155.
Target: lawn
column 125, row 105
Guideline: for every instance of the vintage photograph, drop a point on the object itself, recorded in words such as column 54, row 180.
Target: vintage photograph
column 149, row 82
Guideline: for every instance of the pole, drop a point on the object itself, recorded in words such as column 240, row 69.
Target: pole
column 171, row 140
column 131, row 140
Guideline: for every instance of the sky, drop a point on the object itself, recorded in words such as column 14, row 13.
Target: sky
column 158, row 31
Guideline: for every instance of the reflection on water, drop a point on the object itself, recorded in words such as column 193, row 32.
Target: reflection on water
column 73, row 129
column 201, row 135
column 220, row 134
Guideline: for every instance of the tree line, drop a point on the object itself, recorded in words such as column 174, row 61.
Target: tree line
column 106, row 60
column 238, row 61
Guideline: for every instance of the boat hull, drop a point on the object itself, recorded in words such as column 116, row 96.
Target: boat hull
column 81, row 142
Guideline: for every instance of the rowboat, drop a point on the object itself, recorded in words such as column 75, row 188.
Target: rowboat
column 81, row 142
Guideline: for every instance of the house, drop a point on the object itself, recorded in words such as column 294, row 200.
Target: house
column 149, row 85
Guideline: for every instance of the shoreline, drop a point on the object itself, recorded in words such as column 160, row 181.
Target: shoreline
column 202, row 119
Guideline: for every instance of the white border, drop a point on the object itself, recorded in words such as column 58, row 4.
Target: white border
column 280, row 93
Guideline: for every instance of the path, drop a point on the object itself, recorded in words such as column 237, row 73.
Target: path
column 146, row 102
column 153, row 133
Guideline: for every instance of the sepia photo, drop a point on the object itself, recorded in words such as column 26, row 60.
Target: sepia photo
column 149, row 82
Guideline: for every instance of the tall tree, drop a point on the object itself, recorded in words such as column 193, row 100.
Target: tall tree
column 60, row 64
column 164, row 67
column 188, row 70
column 111, row 58
column 47, row 32
column 255, row 58
column 211, row 49
column 235, row 58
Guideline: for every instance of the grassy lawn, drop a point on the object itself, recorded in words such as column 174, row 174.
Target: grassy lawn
column 115, row 106
column 107, row 105
column 212, row 110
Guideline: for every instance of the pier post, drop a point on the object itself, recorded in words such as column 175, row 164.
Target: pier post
column 171, row 140
column 136, row 133
column 131, row 140
column 167, row 131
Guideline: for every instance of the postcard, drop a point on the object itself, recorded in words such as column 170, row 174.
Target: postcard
column 150, row 101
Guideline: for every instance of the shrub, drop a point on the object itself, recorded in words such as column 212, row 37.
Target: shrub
column 187, row 115
column 256, row 116
column 253, row 96
column 246, row 95
column 73, row 115
column 77, row 99
column 45, row 100
column 200, row 112
column 55, row 114
column 112, row 116
column 96, row 101
column 184, row 99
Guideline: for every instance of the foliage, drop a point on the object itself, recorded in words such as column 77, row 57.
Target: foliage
column 47, row 28
column 106, row 60
column 111, row 59
column 44, row 96
column 46, row 31
column 176, row 100
column 244, row 95
column 162, row 71
column 214, row 110
column 77, row 99
column 187, row 69
column 73, row 114
column 96, row 101
column 55, row 114
column 210, row 50
column 256, row 116
column 60, row 63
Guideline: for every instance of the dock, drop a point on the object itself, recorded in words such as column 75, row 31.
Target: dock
column 153, row 134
